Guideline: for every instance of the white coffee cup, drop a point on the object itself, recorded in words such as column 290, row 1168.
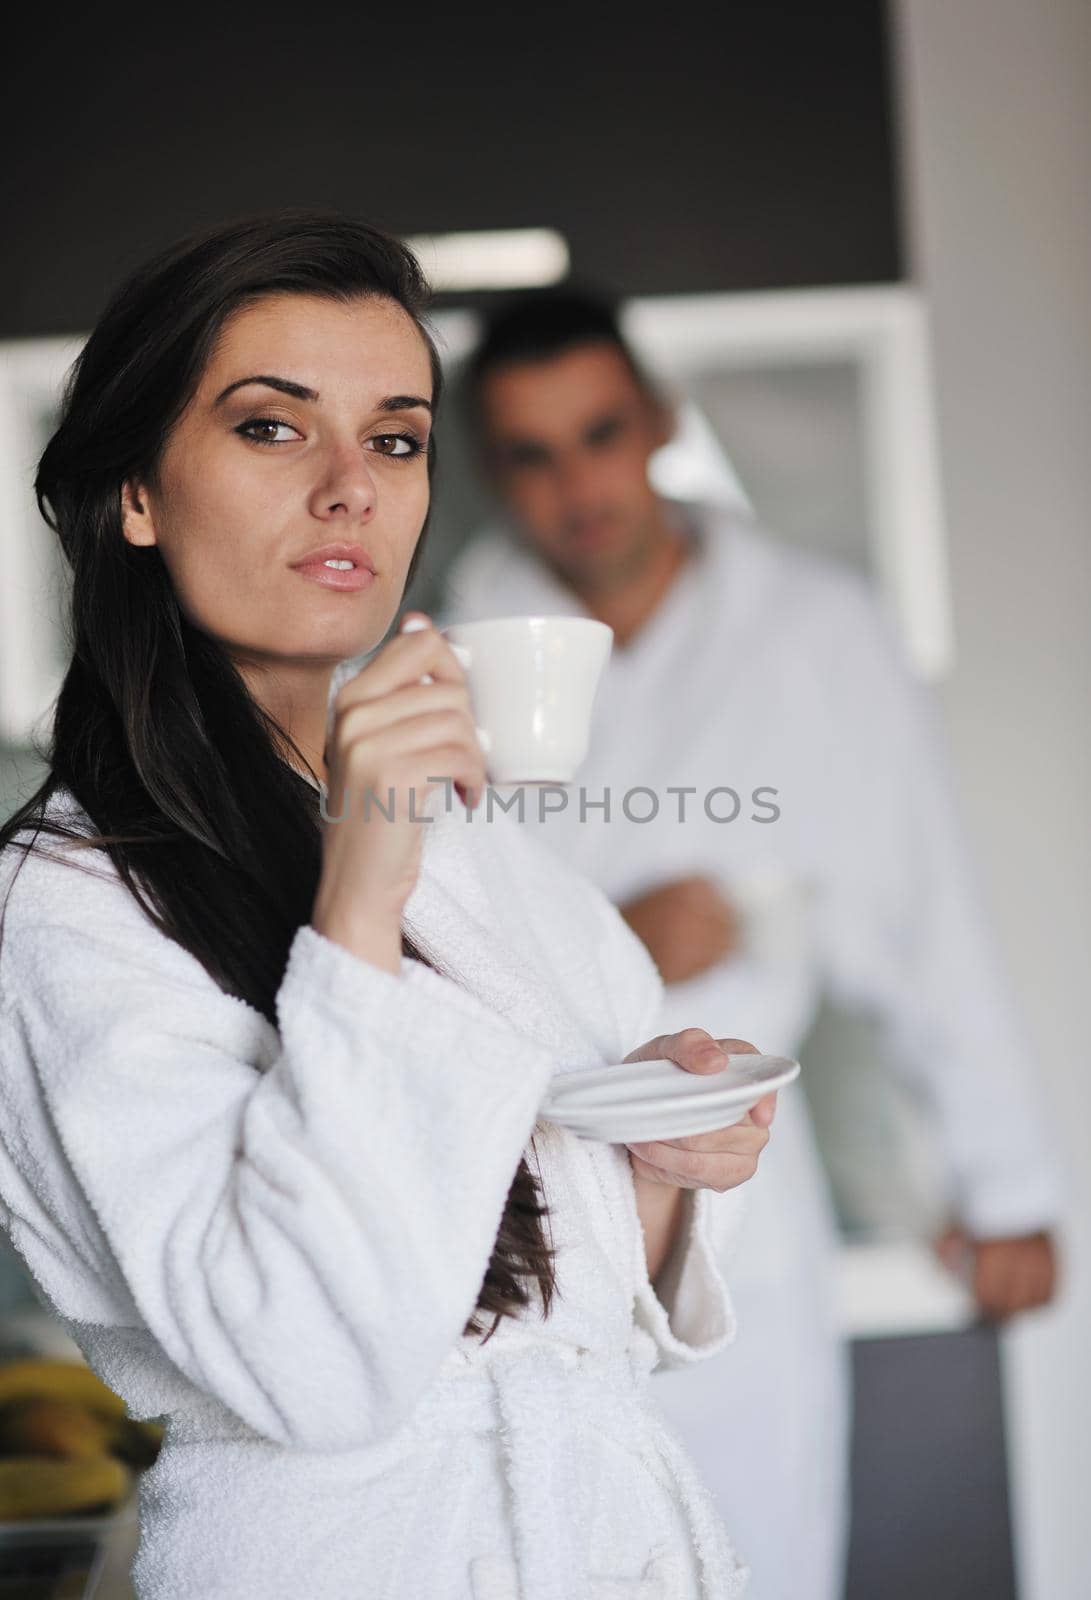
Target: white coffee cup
column 532, row 685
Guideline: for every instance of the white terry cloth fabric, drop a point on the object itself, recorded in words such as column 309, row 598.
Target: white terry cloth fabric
column 766, row 667
column 275, row 1237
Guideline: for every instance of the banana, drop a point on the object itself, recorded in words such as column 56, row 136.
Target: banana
column 59, row 1380
column 34, row 1486
column 42, row 1426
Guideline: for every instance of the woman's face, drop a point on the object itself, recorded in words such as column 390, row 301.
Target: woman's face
column 308, row 429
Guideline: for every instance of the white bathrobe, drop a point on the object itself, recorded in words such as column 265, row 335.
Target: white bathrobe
column 766, row 668
column 275, row 1237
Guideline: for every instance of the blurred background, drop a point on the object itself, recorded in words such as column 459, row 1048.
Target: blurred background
column 857, row 240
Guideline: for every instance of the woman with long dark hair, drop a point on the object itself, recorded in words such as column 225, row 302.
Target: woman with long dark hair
column 271, row 1070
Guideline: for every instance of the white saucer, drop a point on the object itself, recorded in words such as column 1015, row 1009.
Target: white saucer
column 637, row 1101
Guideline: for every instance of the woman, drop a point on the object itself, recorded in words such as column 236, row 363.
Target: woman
column 270, row 1147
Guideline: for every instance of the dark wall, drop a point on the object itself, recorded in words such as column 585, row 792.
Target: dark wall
column 696, row 148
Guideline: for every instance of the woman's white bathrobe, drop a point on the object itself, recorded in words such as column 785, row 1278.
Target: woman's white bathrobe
column 275, row 1238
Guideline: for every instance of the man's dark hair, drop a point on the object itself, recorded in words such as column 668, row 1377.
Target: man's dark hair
column 539, row 326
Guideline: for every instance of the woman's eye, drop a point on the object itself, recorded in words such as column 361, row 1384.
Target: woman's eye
column 264, row 430
column 396, row 444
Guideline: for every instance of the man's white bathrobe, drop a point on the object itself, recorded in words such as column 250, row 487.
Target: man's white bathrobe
column 763, row 668
column 275, row 1238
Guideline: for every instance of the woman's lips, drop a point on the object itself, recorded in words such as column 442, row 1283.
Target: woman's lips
column 348, row 579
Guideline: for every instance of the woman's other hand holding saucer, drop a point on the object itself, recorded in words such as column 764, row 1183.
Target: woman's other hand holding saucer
column 719, row 1160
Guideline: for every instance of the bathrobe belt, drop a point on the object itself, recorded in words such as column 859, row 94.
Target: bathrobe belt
column 530, row 1392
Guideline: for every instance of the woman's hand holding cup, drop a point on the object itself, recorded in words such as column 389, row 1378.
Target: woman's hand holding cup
column 400, row 728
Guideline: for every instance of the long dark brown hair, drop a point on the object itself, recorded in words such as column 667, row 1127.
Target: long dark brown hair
column 184, row 776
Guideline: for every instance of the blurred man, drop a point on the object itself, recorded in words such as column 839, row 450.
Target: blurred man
column 779, row 827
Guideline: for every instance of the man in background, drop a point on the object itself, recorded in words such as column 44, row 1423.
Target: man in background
column 789, row 833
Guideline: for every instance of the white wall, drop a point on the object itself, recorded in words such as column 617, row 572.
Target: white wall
column 996, row 121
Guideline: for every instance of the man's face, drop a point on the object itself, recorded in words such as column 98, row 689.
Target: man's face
column 567, row 441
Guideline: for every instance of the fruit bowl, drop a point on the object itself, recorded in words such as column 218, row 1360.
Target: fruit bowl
column 70, row 1460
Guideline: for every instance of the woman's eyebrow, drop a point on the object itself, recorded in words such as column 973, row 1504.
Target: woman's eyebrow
column 394, row 402
column 285, row 385
column 403, row 402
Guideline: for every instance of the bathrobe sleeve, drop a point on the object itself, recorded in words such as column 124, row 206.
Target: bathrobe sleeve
column 905, row 937
column 301, row 1218
column 688, row 1312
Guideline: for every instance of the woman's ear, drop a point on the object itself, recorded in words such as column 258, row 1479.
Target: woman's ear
column 136, row 517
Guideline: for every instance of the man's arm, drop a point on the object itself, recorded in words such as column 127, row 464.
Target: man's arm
column 904, row 934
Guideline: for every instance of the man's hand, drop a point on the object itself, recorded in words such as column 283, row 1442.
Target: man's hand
column 1006, row 1275
column 687, row 926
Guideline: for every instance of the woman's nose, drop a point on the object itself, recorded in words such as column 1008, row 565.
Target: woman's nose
column 346, row 487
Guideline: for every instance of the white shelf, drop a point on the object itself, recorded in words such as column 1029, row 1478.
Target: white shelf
column 897, row 1288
